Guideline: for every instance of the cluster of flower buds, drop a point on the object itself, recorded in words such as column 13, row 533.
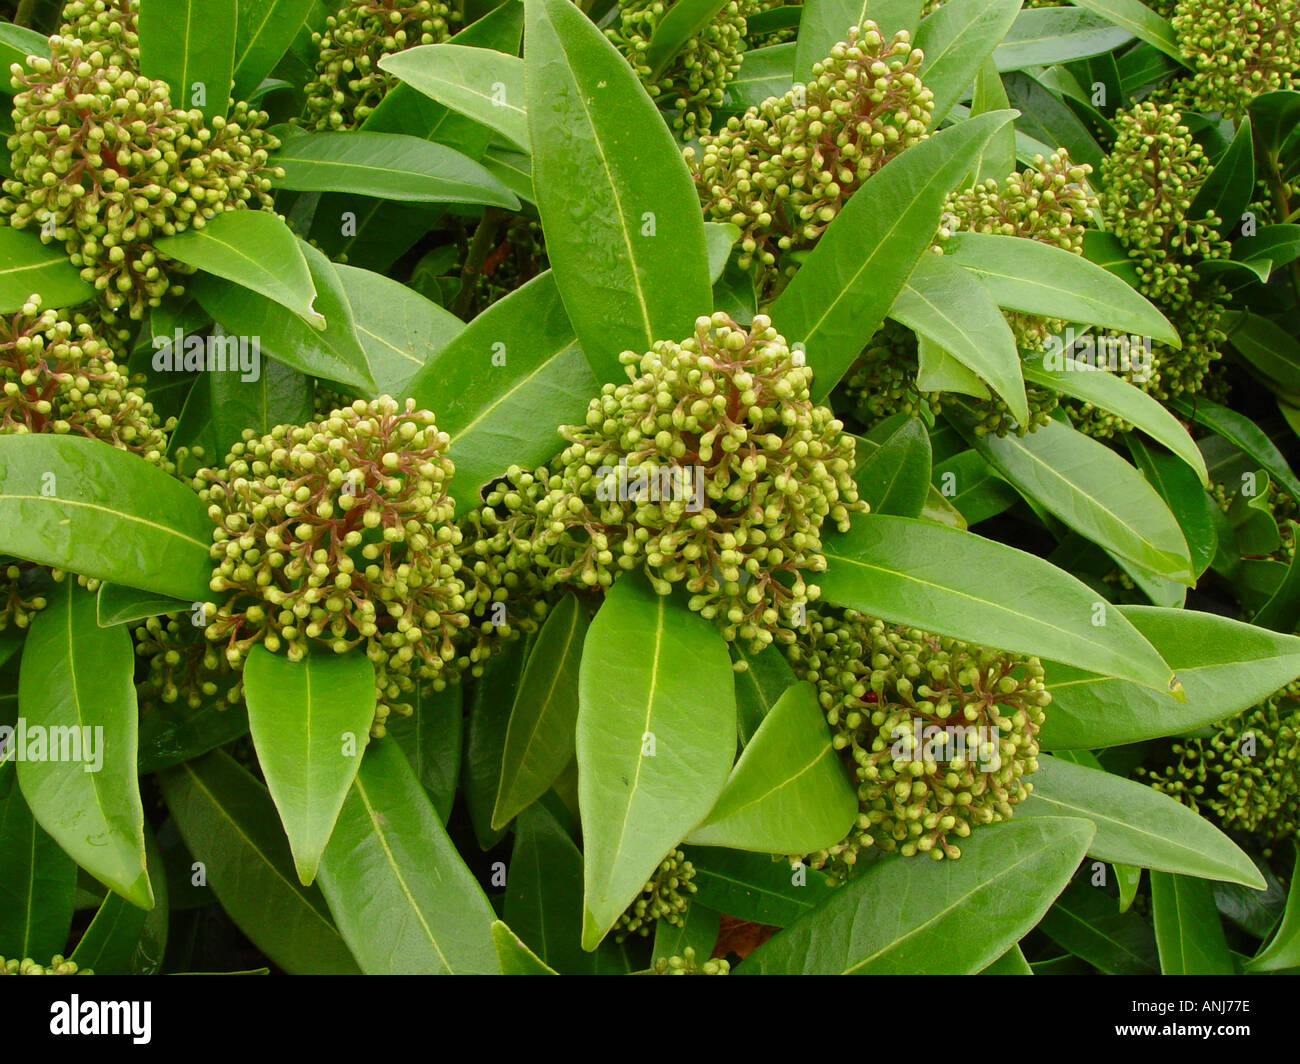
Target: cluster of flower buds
column 183, row 665
column 105, row 163
column 696, row 80
column 939, row 734
column 686, row 964
column 1149, row 181
column 348, row 84
column 666, row 896
column 711, row 468
column 338, row 534
column 1247, row 774
column 58, row 966
column 108, row 25
column 1240, row 49
column 783, row 170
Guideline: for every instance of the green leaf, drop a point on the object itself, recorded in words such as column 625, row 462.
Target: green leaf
column 335, row 352
column 1094, row 491
column 1042, row 36
column 124, row 940
column 1109, row 252
column 190, row 44
column 256, row 250
column 1140, row 21
column 759, row 685
column 431, row 737
column 515, row 957
column 1282, row 951
column 76, row 686
column 757, row 887
column 1243, row 434
column 400, row 331
column 624, row 231
column 936, row 508
column 16, row 44
column 1085, row 922
column 976, row 491
column 938, row 371
column 1182, row 491
column 1136, row 825
column 118, row 605
column 480, row 83
column 264, row 32
column 489, row 716
column 38, row 881
column 390, row 854
column 1282, row 611
column 1274, row 116
column 1109, row 392
column 514, row 169
column 895, row 479
column 1266, row 346
column 699, row 931
column 1188, row 931
column 389, row 166
column 955, row 584
column 656, row 736
column 947, row 305
column 1225, row 666
column 1276, row 244
column 826, row 22
column 173, row 732
column 29, row 267
column 764, row 72
column 933, row 917
column 488, row 384
column 540, row 737
column 956, row 38
column 310, row 721
column 844, row 290
column 720, row 238
column 1037, row 278
column 1227, row 192
column 229, row 824
column 1010, row 963
column 999, row 159
column 789, row 792
column 683, row 20
column 1046, row 122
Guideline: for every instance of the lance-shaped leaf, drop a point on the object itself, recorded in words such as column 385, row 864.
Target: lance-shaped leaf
column 1036, row 278
column 1227, row 192
column 228, row 822
column 624, row 231
column 759, row 686
column 1096, row 492
column 1243, row 434
column 945, row 304
column 934, row 917
column 124, row 940
column 955, row 583
column 76, row 686
column 16, row 44
column 789, row 792
column 518, row 357
column 1084, row 921
column 29, row 267
column 38, row 881
column 1282, row 950
column 254, row 249
column 956, row 39
column 263, row 34
column 310, row 721
column 682, row 22
column 514, row 956
column 389, row 166
column 1225, row 666
column 1041, row 36
column 489, row 717
column 93, row 509
column 935, row 507
column 758, row 887
column 764, row 72
column 1139, row 20
column 480, row 83
column 895, row 479
column 826, row 22
column 655, row 740
column 540, row 737
column 699, row 931
column 1182, row 490
column 432, row 739
column 841, row 294
column 404, row 901
column 190, row 44
column 1136, row 825
column 1109, row 392
column 1189, row 933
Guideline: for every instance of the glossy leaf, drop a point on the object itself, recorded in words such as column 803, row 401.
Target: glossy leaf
column 514, row 957
column 77, row 683
column 845, row 288
column 934, row 917
column 759, row 685
column 1037, row 278
column 229, row 824
column 758, row 887
column 1084, row 921
column 489, row 716
column 1137, row 825
column 936, row 506
column 256, row 250
column 656, row 736
column 699, row 932
column 540, row 737
column 1041, row 36
column 826, row 22
column 124, row 940
column 1139, row 20
column 1089, row 487
column 1225, row 666
column 402, row 897
column 16, row 44
column 117, row 605
column 389, row 166
column 624, row 231
column 680, row 23
column 1282, row 950
column 954, row 583
column 190, row 44
column 264, row 32
column 1188, row 932
column 38, row 881
column 1266, row 346
column 956, row 38
column 789, row 792
column 896, row 478
column 976, row 491
column 1227, row 192
column 1187, row 499
column 432, row 739
column 29, row 267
